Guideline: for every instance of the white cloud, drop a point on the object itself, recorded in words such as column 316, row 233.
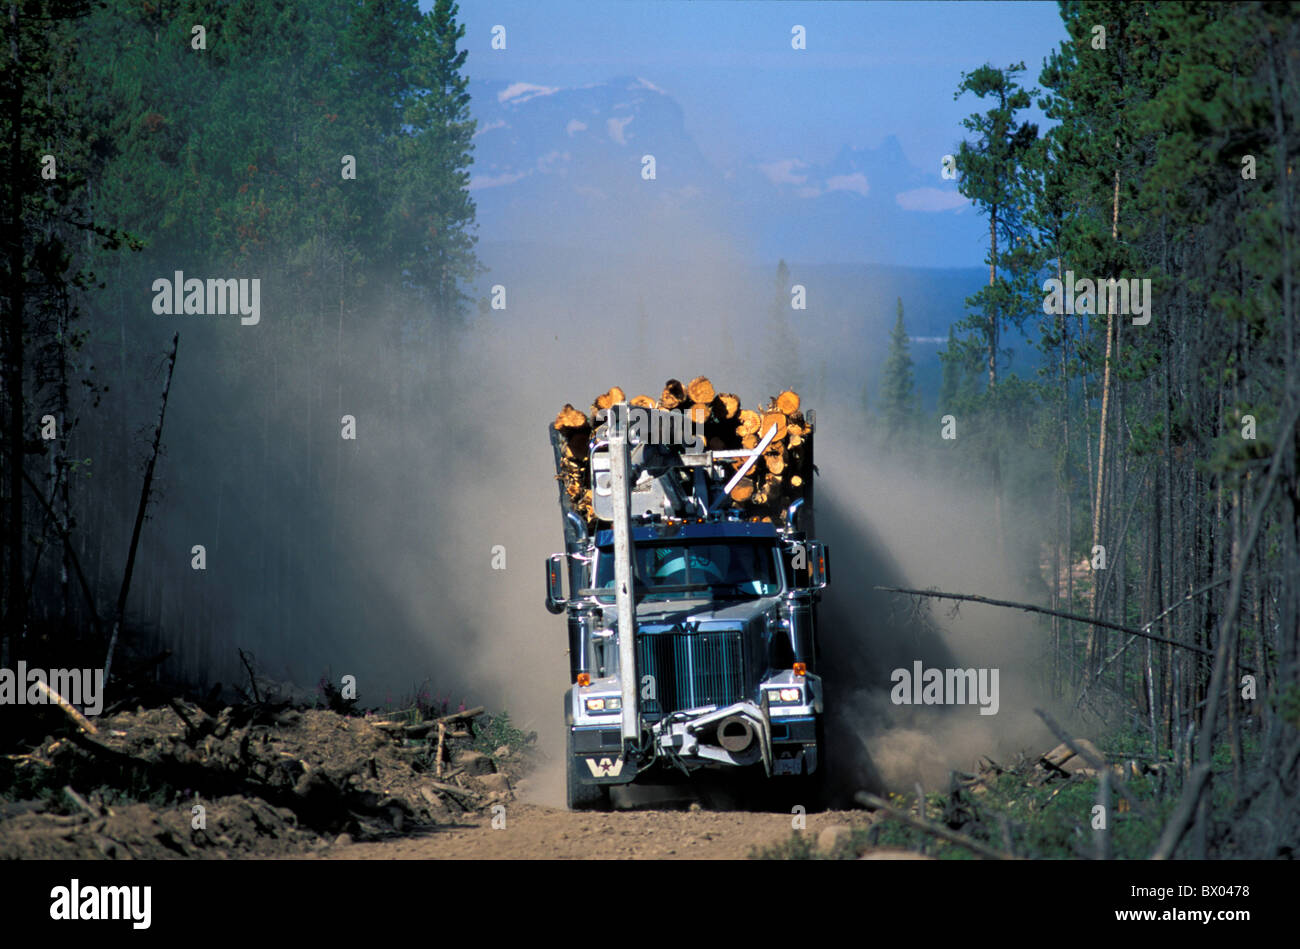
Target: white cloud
column 782, row 172
column 856, row 183
column 930, row 199
column 495, row 181
column 575, row 126
column 647, row 84
column 523, row 91
column 616, row 126
column 499, row 123
column 548, row 162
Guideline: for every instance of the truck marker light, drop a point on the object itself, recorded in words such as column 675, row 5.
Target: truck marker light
column 800, row 669
column 584, row 678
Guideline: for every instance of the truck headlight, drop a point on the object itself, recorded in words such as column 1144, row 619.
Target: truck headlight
column 785, row 696
column 604, row 705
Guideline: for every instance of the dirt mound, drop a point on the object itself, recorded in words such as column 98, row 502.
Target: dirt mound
column 256, row 779
column 233, row 826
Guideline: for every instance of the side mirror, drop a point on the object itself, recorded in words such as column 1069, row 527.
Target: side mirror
column 819, row 564
column 555, row 601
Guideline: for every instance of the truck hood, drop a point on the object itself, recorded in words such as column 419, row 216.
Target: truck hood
column 725, row 613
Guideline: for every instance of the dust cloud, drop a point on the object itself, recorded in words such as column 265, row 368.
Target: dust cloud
column 636, row 324
column 412, row 556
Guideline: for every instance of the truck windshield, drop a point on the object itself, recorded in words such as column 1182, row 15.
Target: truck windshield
column 725, row 568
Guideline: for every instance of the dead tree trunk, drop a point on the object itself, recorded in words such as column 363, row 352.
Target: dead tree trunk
column 120, row 609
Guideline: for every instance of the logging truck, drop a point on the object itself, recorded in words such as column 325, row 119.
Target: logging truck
column 692, row 581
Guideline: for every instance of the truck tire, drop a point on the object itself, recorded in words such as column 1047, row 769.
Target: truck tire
column 816, row 786
column 812, row 791
column 580, row 796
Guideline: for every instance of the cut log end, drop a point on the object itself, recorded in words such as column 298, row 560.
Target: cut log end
column 570, row 417
column 743, row 490
column 673, row 395
column 606, row 399
column 700, row 389
column 773, row 418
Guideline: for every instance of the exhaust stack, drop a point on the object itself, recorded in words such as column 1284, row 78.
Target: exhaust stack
column 620, row 477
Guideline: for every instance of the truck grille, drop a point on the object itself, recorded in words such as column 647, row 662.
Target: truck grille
column 691, row 669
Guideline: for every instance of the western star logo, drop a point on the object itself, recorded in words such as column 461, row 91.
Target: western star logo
column 605, row 768
column 213, row 297
column 103, row 902
column 83, row 687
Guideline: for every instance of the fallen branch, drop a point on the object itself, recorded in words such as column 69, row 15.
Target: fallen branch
column 80, row 720
column 1151, row 622
column 1031, row 608
column 1093, row 761
column 80, row 801
column 936, row 830
column 459, row 795
column 252, row 679
column 468, row 713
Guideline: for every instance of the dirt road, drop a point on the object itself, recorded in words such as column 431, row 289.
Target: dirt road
column 533, row 831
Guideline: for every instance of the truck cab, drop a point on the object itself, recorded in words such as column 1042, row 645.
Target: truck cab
column 725, row 654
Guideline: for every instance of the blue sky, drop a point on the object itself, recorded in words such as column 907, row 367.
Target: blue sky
column 869, row 70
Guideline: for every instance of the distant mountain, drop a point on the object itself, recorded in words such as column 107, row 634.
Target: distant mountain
column 638, row 272
column 565, row 165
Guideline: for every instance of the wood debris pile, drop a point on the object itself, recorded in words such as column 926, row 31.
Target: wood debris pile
column 263, row 771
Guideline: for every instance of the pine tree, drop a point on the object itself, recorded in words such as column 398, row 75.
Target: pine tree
column 436, row 160
column 898, row 385
column 991, row 173
column 783, row 366
column 46, row 136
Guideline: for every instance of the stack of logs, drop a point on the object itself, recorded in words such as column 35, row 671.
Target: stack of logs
column 774, row 481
